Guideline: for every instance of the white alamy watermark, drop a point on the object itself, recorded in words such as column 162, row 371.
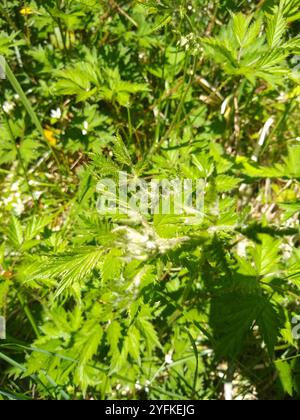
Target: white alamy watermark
column 2, row 68
column 296, row 328
column 2, row 328
column 127, row 194
column 296, row 63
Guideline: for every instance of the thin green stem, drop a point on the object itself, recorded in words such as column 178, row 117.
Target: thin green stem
column 28, row 314
column 27, row 105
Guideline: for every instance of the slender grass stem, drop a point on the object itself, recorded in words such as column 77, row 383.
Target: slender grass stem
column 27, row 105
column 28, row 314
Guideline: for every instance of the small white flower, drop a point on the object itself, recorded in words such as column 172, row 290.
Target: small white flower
column 15, row 186
column 151, row 245
column 37, row 194
column 138, row 386
column 156, row 111
column 147, row 386
column 56, row 113
column 18, row 208
column 85, row 128
column 183, row 41
column 7, row 200
column 168, row 358
column 282, row 97
column 8, row 107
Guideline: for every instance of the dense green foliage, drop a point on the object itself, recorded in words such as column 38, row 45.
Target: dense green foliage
column 135, row 306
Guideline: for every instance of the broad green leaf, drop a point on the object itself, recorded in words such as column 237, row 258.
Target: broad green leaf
column 266, row 255
column 232, row 318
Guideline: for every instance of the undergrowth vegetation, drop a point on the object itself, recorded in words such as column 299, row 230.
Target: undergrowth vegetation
column 150, row 306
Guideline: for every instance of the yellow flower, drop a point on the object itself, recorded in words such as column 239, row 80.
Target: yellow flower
column 50, row 136
column 25, row 11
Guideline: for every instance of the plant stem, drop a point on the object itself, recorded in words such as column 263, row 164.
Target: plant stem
column 28, row 314
column 18, row 89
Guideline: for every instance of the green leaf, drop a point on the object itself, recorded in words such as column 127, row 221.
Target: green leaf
column 266, row 255
column 120, row 151
column 114, row 334
column 225, row 183
column 243, row 50
column 290, row 209
column 292, row 168
column 132, row 342
column 148, row 331
column 268, row 322
column 240, row 27
column 285, row 375
column 36, row 225
column 8, row 42
column 88, row 340
column 77, row 80
column 111, row 266
column 104, row 166
column 70, row 268
column 276, row 27
column 233, row 317
column 15, row 233
column 162, row 23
